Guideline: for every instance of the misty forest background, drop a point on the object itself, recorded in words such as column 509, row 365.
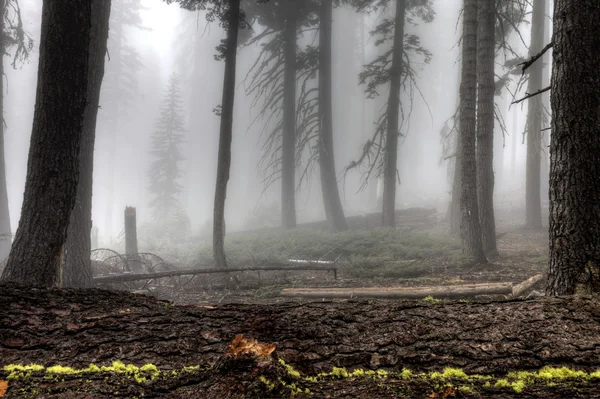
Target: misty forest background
column 157, row 132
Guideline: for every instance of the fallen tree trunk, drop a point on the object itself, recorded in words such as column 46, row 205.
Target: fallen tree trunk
column 121, row 278
column 527, row 284
column 456, row 291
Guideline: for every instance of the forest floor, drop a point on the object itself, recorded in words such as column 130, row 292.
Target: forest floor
column 99, row 343
column 411, row 256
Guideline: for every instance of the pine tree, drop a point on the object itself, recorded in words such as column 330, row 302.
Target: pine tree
column 165, row 171
column 575, row 144
column 53, row 166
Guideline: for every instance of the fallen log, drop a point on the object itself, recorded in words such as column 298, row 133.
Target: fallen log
column 121, row 278
column 456, row 291
column 520, row 288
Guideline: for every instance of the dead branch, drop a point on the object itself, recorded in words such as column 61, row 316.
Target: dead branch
column 533, row 59
column 527, row 284
column 121, row 278
column 532, row 95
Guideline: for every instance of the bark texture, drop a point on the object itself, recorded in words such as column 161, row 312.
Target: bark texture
column 100, row 326
column 225, row 135
column 485, row 123
column 470, row 231
column 575, row 145
column 331, row 195
column 393, row 113
column 288, row 140
column 78, row 266
column 533, row 206
column 5, row 229
column 53, row 165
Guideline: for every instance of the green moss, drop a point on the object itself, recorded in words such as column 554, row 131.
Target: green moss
column 290, row 370
column 518, row 386
column 449, row 372
column 19, row 371
column 338, row 372
column 595, row 374
column 406, row 374
column 382, row 373
column 61, row 370
column 270, row 386
column 465, row 389
column 562, row 373
column 502, row 383
column 431, row 300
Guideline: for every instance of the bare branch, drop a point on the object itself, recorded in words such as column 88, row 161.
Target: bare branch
column 532, row 95
column 533, row 59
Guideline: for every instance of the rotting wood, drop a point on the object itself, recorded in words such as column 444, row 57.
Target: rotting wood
column 456, row 291
column 520, row 288
column 121, row 278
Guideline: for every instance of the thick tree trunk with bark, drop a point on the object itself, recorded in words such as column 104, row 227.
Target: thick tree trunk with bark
column 78, row 265
column 393, row 112
column 288, row 140
column 53, row 165
column 331, row 195
column 485, row 123
column 225, row 134
column 533, row 206
column 5, row 229
column 470, row 231
column 575, row 145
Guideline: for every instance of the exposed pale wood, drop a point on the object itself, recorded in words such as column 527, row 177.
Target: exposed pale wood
column 310, row 262
column 189, row 272
column 456, row 291
column 520, row 288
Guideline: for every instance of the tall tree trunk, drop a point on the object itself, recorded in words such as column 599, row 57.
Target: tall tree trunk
column 288, row 140
column 454, row 206
column 454, row 210
column 470, row 231
column 5, row 230
column 78, row 266
column 533, row 208
column 546, row 120
column 53, row 166
column 485, row 123
column 331, row 195
column 225, row 134
column 114, row 113
column 388, row 214
column 574, row 148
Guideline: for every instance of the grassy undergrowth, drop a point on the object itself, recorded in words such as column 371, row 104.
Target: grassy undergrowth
column 362, row 253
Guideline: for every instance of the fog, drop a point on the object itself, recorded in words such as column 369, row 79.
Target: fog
column 182, row 42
